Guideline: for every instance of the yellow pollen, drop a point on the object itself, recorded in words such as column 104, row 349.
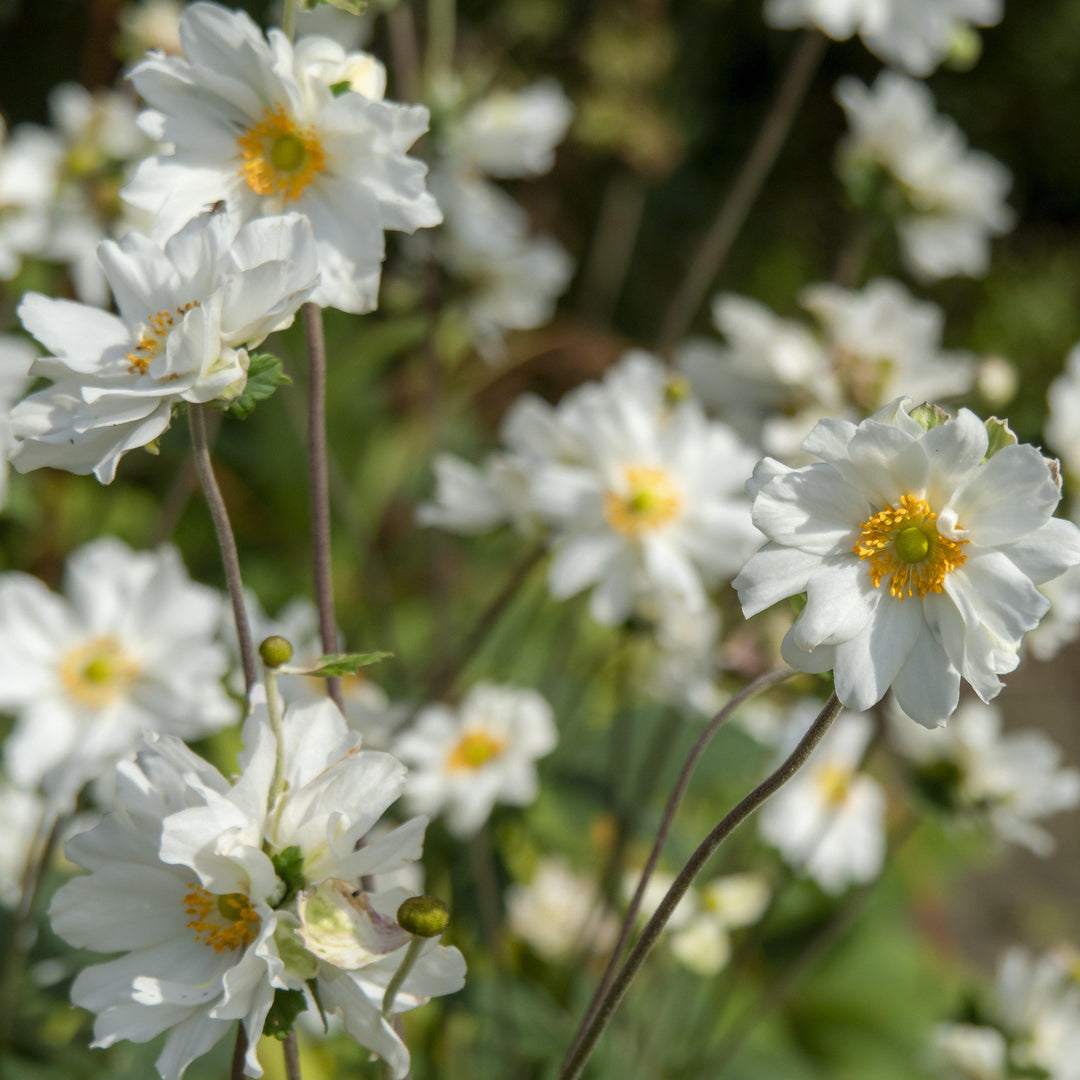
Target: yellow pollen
column 834, row 783
column 223, row 922
column 903, row 544
column 278, row 157
column 152, row 336
column 650, row 502
column 474, row 751
column 97, row 673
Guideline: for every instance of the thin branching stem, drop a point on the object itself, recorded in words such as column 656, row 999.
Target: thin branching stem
column 230, row 560
column 319, row 488
column 236, row 1071
column 754, row 688
column 586, row 1043
column 734, row 210
column 292, row 1057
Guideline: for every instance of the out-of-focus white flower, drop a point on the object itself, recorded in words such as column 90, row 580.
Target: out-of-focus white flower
column 1010, row 780
column 218, row 895
column 921, row 552
column 189, row 311
column 30, row 163
column 654, row 508
column 1063, row 419
column 913, row 34
column 465, row 760
column 969, row 1052
column 16, row 358
column 246, row 120
column 997, row 380
column 1061, row 624
column 22, row 814
column 151, row 24
column 129, row 647
column 560, row 912
column 829, row 821
column 686, row 660
column 949, row 200
column 774, row 379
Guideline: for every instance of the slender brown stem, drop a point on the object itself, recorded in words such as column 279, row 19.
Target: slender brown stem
column 236, row 1071
column 292, row 1057
column 714, row 249
column 482, row 860
column 614, row 240
column 230, row 560
column 404, row 52
column 760, row 684
column 576, row 1061
column 319, row 488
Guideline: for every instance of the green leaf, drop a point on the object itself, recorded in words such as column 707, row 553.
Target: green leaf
column 264, row 376
column 288, row 1005
column 339, row 88
column 1000, row 435
column 289, row 866
column 336, row 664
column 354, row 7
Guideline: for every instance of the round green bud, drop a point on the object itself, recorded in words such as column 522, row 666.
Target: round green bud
column 275, row 651
column 912, row 544
column 424, row 916
column 288, row 153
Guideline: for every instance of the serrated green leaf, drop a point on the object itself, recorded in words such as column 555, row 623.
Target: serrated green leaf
column 264, row 376
column 336, row 664
column 288, row 1005
column 289, row 866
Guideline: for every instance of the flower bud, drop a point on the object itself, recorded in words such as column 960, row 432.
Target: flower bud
column 275, row 651
column 424, row 916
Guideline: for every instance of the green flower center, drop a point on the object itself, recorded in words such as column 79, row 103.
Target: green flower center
column 912, row 544
column 288, row 153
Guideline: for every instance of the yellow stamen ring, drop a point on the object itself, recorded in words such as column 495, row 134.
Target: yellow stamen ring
column 649, row 502
column 278, row 157
column 474, row 751
column 223, row 922
column 152, row 337
column 902, row 543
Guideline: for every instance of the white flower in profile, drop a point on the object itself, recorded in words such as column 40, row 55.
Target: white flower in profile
column 828, row 822
column 560, row 913
column 16, row 358
column 22, row 814
column 246, row 119
column 653, row 511
column 128, row 647
column 951, row 199
column 1011, row 780
column 921, row 552
column 189, row 311
column 464, row 760
column 913, row 34
column 220, row 894
column 1063, row 416
column 969, row 1052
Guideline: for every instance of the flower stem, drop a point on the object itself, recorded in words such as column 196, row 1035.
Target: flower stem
column 236, row 1070
column 412, row 953
column 320, row 488
column 292, row 1057
column 576, row 1060
column 760, row 684
column 288, row 19
column 714, row 249
column 226, row 541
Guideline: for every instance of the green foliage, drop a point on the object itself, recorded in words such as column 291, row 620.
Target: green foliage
column 265, row 374
column 288, row 1005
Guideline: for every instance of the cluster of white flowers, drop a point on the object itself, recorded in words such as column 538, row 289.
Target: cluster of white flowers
column 1033, row 1029
column 913, row 34
column 512, row 279
column 773, row 379
column 254, row 890
column 948, row 201
column 638, row 495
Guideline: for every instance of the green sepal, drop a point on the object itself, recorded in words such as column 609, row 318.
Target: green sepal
column 798, row 602
column 334, row 665
column 353, row 7
column 264, row 376
column 929, row 416
column 288, row 1005
column 339, row 88
column 1000, row 435
column 289, row 867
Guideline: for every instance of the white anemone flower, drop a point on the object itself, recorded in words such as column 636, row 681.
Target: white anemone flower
column 189, row 311
column 247, row 119
column 969, row 1052
column 150, row 24
column 129, row 647
column 725, row 904
column 913, row 34
column 953, row 198
column 1012, row 780
column 921, row 552
column 22, row 816
column 30, row 162
column 17, row 356
column 653, row 510
column 465, row 760
column 828, row 822
column 559, row 913
column 1061, row 624
column 219, row 895
column 1063, row 419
